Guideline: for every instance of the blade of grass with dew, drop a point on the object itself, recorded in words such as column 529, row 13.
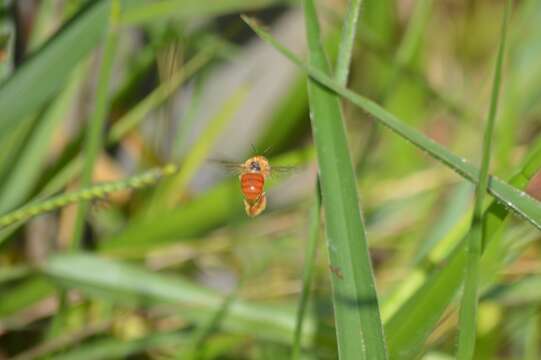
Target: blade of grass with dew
column 358, row 325
column 93, row 140
column 131, row 285
column 519, row 202
column 308, row 272
column 411, row 325
column 477, row 237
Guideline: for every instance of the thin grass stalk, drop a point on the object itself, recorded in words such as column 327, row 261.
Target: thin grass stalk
column 474, row 246
column 94, row 136
column 519, row 202
column 358, row 325
column 98, row 191
column 308, row 272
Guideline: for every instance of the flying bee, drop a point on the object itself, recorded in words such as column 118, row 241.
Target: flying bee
column 252, row 175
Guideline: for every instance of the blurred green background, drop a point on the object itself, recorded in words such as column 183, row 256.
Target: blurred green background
column 177, row 270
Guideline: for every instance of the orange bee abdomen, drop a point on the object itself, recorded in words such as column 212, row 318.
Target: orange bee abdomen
column 252, row 186
column 255, row 208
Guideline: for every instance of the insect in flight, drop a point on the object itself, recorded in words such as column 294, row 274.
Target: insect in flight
column 252, row 175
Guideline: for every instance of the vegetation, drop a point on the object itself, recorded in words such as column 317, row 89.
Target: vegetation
column 121, row 235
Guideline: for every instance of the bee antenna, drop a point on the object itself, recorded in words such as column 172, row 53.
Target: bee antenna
column 254, row 149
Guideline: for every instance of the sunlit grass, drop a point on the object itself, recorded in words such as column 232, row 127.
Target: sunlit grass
column 165, row 262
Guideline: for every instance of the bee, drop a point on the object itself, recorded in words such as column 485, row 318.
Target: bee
column 253, row 173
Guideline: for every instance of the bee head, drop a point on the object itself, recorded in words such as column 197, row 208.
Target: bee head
column 254, row 166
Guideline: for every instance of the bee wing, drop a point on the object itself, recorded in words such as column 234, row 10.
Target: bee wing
column 279, row 171
column 232, row 167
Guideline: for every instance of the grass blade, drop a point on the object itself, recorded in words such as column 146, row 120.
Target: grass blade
column 22, row 95
column 129, row 284
column 358, row 324
column 309, row 266
column 519, row 202
column 26, row 169
column 154, row 10
column 347, row 40
column 94, row 141
column 411, row 325
column 470, row 298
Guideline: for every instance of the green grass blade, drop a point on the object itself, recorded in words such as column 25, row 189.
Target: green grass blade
column 154, row 10
column 22, row 94
column 411, row 325
column 358, row 324
column 93, row 140
column 347, row 40
column 27, row 168
column 309, row 266
column 522, row 204
column 470, row 298
column 131, row 285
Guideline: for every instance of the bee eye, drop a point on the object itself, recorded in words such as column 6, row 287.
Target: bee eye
column 254, row 166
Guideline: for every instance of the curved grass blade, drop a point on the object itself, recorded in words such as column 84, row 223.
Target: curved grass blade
column 519, row 202
column 358, row 324
column 477, row 237
column 132, row 285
